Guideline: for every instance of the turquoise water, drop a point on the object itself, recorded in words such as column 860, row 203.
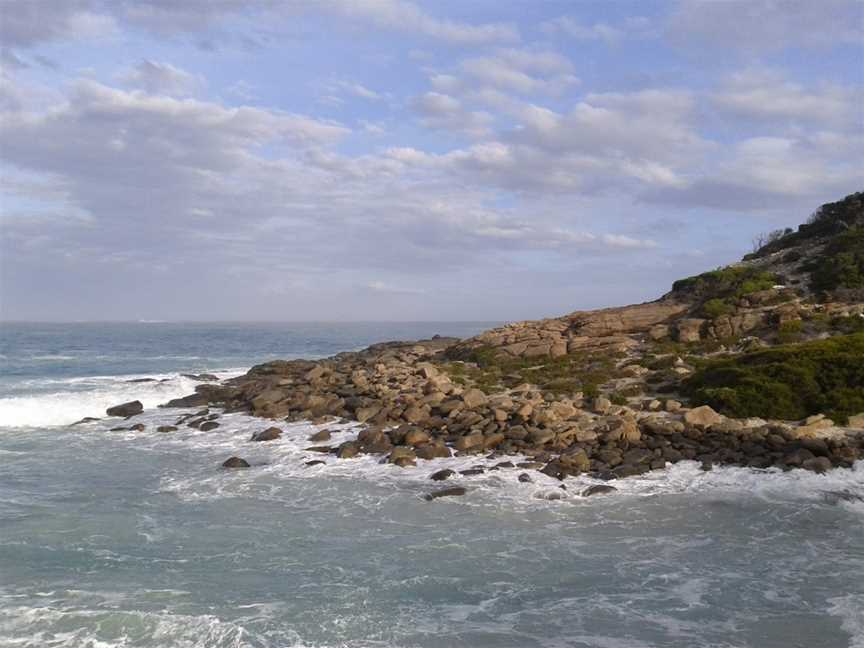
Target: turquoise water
column 139, row 539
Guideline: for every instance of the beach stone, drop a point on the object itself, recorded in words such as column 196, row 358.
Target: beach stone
column 703, row 416
column 456, row 491
column 193, row 400
column 474, row 398
column 322, row 435
column 126, row 409
column 469, row 442
column 166, row 428
column 348, row 450
column 86, row 419
column 270, row 434
column 525, row 478
column 468, row 472
column 235, row 462
column 817, row 464
column 208, row 425
column 598, row 489
column 433, row 451
column 416, row 438
column 441, row 475
column 602, row 404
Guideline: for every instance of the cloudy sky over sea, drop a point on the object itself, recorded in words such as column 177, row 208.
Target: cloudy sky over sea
column 396, row 160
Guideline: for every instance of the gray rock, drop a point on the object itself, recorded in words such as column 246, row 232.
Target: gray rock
column 445, row 492
column 126, row 409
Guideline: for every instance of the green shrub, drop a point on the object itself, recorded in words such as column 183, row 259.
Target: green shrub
column 714, row 308
column 790, row 332
column 786, row 382
column 853, row 324
column 725, row 284
column 841, row 264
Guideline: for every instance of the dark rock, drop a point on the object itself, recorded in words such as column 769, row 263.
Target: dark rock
column 472, row 471
column 138, row 427
column 441, row 475
column 235, row 462
column 525, row 478
column 445, row 492
column 193, row 400
column 316, row 462
column 598, row 489
column 166, row 428
column 141, row 380
column 321, row 449
column 321, row 435
column 206, row 426
column 348, row 450
column 86, row 419
column 270, row 434
column 126, row 409
column 817, row 464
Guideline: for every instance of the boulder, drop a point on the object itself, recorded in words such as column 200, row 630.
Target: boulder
column 857, row 421
column 348, row 450
column 321, row 435
column 598, row 489
column 235, row 462
column 208, row 425
column 817, row 464
column 270, row 434
column 474, row 398
column 166, row 428
column 445, row 492
column 433, row 451
column 126, row 409
column 441, row 475
column 86, row 419
column 703, row 417
column 192, row 400
column 469, row 442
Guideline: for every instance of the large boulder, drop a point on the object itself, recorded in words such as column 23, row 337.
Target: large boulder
column 703, row 416
column 270, row 434
column 126, row 409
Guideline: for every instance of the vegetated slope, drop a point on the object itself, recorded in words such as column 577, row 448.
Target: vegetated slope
column 786, row 382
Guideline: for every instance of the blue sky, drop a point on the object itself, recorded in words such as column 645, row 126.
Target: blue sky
column 396, row 160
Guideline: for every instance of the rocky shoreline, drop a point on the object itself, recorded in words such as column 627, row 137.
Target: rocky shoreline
column 412, row 410
column 609, row 393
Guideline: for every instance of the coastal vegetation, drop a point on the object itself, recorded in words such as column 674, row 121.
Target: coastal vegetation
column 787, row 382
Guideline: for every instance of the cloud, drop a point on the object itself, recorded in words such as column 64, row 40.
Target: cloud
column 767, row 25
column 520, row 71
column 770, row 97
column 162, row 78
column 27, row 23
column 441, row 111
column 574, row 29
column 407, row 16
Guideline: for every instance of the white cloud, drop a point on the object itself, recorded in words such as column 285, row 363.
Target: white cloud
column 767, row 25
column 441, row 111
column 575, row 29
column 407, row 16
column 156, row 77
column 771, row 97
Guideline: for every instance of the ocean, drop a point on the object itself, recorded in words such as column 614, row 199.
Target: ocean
column 140, row 539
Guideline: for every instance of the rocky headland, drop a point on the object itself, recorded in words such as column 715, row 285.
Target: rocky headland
column 758, row 364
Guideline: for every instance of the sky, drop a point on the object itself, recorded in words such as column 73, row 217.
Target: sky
column 394, row 160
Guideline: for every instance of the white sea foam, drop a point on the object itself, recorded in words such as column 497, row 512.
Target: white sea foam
column 850, row 609
column 65, row 401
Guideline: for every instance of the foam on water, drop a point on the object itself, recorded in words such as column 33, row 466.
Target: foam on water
column 54, row 402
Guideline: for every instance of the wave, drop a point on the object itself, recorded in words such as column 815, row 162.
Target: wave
column 72, row 399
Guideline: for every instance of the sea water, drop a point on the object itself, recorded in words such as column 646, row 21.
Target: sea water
column 141, row 539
